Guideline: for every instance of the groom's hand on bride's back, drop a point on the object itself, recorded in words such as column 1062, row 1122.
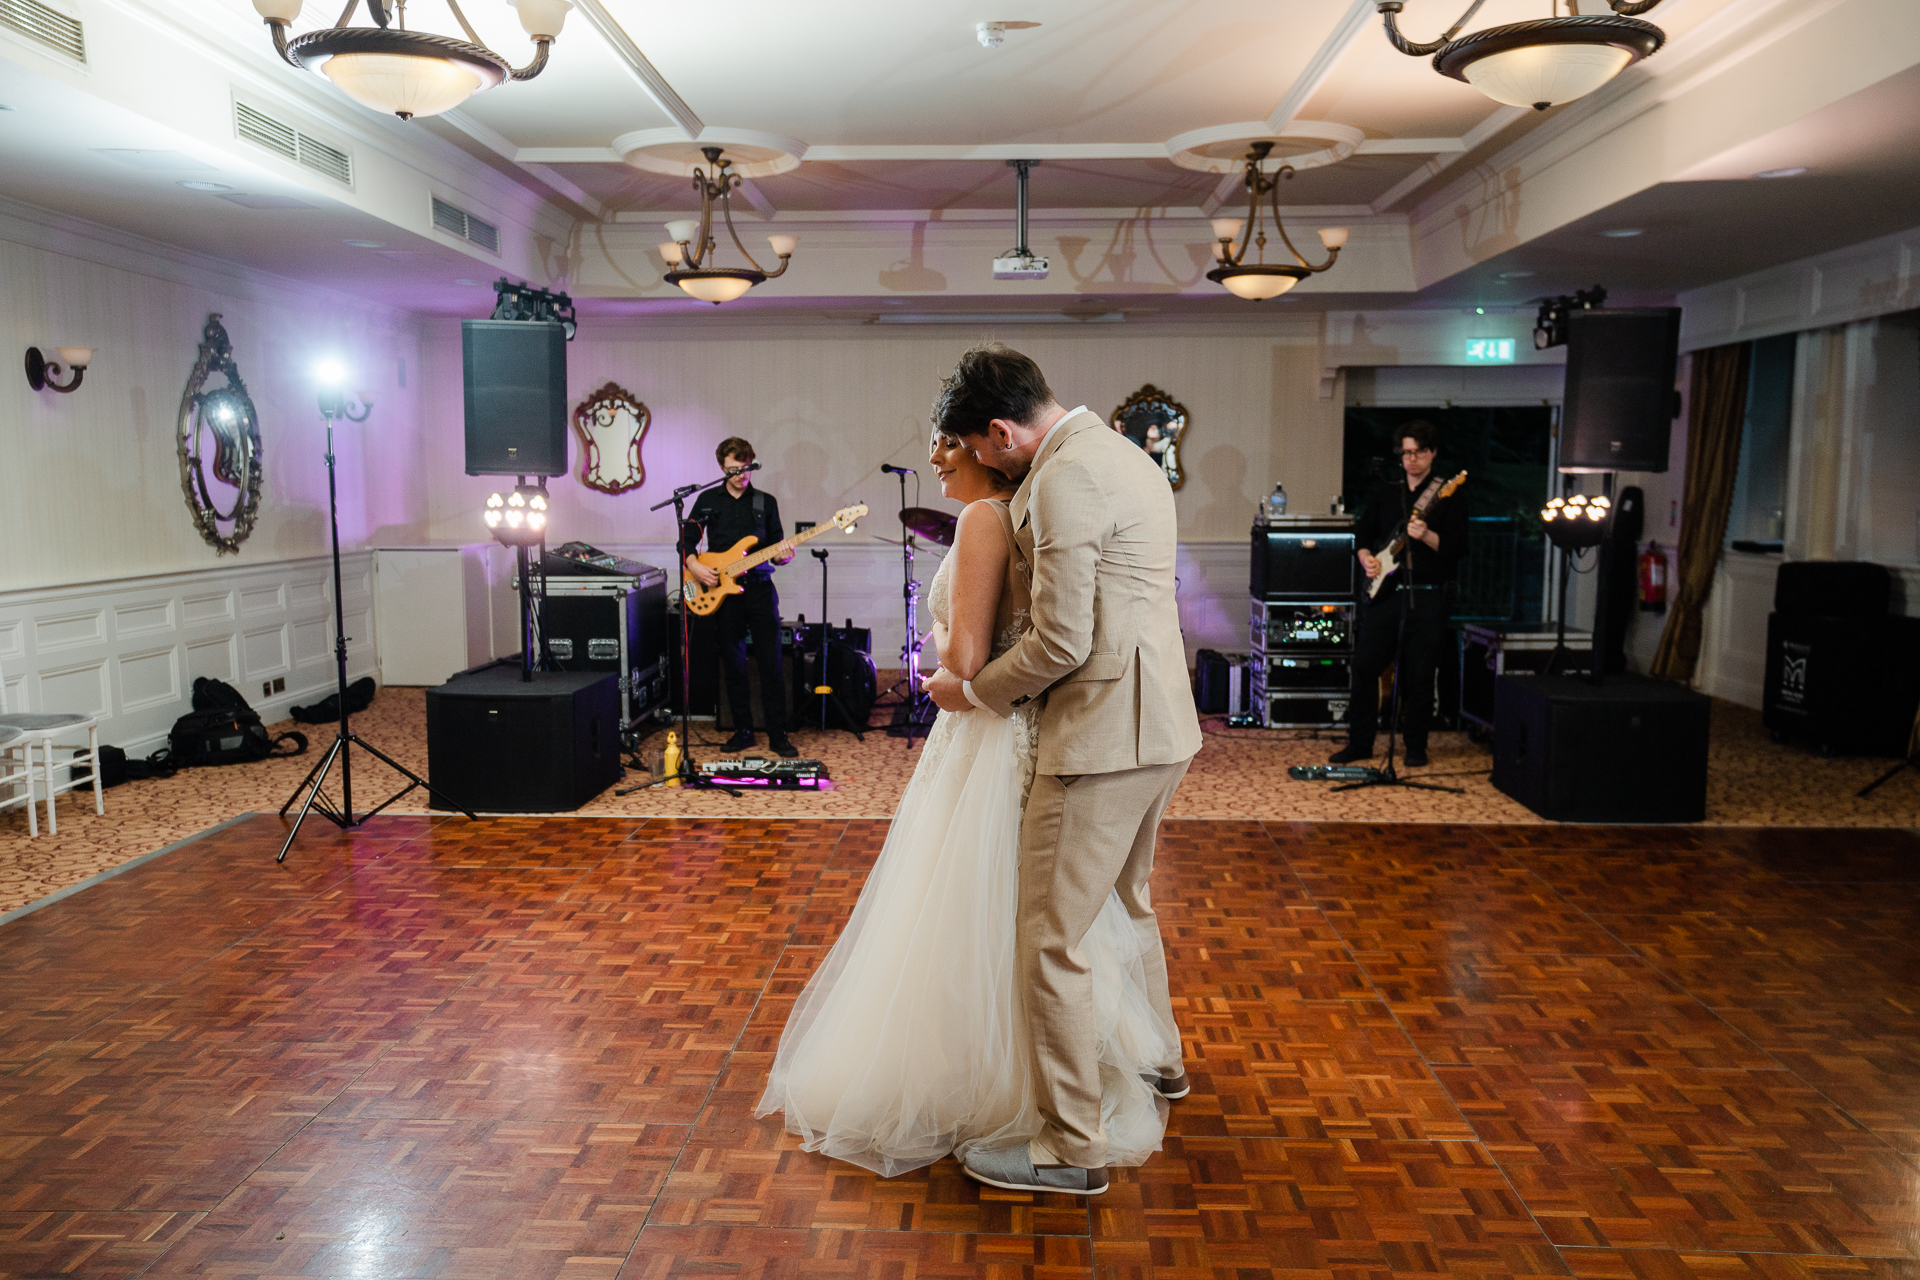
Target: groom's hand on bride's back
column 945, row 689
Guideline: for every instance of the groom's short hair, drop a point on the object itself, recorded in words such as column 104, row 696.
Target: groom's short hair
column 991, row 381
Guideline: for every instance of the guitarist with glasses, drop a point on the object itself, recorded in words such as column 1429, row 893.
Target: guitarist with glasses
column 1417, row 586
column 734, row 511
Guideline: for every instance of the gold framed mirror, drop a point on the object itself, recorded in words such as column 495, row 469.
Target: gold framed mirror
column 1157, row 423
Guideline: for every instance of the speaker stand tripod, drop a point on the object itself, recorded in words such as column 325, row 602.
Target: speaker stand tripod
column 332, row 406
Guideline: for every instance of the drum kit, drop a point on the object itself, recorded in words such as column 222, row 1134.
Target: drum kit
column 934, row 526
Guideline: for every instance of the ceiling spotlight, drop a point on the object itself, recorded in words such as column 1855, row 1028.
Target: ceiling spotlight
column 195, row 184
column 1792, row 172
column 692, row 248
column 1624, row 233
column 409, row 73
column 1537, row 64
column 1259, row 280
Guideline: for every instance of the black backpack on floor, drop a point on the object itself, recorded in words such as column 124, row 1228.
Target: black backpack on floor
column 223, row 729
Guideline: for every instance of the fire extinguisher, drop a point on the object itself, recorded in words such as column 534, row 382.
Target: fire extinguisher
column 1653, row 579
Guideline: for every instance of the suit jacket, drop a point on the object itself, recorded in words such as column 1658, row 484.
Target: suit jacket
column 1094, row 521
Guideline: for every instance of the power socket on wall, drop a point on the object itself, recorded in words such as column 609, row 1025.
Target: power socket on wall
column 270, row 687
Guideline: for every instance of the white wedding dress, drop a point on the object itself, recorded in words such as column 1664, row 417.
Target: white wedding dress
column 910, row 1042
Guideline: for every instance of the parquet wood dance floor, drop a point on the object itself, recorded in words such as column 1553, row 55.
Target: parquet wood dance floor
column 528, row 1048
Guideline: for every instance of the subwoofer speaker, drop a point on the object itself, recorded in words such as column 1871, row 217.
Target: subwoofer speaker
column 516, row 391
column 1620, row 397
column 498, row 744
column 1630, row 750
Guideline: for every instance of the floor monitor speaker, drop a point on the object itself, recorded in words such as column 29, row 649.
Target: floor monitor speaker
column 516, row 388
column 1630, row 750
column 1620, row 398
column 499, row 744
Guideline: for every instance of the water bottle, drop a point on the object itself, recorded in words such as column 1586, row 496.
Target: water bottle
column 1277, row 502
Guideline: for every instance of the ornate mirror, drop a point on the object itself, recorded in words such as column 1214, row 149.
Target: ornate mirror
column 611, row 423
column 1157, row 423
column 218, row 435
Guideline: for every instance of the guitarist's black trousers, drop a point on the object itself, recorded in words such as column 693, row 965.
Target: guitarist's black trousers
column 1373, row 653
column 755, row 609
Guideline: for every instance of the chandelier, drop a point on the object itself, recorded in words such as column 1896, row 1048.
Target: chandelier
column 1260, row 279
column 409, row 73
column 1538, row 64
column 692, row 250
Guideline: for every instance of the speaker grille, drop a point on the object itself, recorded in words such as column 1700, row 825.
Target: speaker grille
column 45, row 25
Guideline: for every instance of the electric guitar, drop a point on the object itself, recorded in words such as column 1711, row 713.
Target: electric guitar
column 1389, row 558
column 734, row 562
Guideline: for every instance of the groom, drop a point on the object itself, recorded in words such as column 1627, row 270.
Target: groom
column 1094, row 520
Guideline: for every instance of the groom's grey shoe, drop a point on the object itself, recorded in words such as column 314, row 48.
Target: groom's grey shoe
column 1012, row 1169
column 1172, row 1088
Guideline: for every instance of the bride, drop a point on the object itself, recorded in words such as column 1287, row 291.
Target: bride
column 910, row 1041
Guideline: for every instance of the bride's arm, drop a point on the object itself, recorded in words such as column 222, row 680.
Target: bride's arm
column 979, row 571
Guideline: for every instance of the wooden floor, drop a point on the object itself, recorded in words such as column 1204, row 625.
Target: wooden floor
column 529, row 1048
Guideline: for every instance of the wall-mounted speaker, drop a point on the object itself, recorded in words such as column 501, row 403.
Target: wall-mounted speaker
column 516, row 385
column 1620, row 398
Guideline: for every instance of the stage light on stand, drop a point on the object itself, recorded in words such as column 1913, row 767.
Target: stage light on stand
column 1578, row 522
column 517, row 519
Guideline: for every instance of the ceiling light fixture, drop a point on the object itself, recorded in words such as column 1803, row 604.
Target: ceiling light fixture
column 1792, row 171
column 409, row 73
column 691, row 251
column 1260, row 280
column 1537, row 64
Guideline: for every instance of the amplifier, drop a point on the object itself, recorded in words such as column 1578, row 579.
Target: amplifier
column 807, row 635
column 757, row 771
column 1295, row 626
column 1302, row 710
column 1321, row 671
column 1304, row 558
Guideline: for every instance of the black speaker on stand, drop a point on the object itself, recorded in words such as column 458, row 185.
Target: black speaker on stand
column 516, row 397
column 1620, row 396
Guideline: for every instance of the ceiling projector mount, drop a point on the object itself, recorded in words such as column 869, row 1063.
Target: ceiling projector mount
column 1019, row 262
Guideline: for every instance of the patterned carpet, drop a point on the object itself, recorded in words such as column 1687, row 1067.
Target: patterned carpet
column 1239, row 774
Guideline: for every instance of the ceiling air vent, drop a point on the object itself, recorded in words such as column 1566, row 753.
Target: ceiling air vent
column 45, row 25
column 457, row 221
column 281, row 138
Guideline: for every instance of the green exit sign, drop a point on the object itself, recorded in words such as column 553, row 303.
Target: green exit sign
column 1489, row 350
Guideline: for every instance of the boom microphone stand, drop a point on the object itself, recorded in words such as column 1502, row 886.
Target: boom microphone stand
column 333, row 405
column 688, row 775
column 916, row 717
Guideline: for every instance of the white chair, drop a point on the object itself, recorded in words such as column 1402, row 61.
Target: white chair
column 48, row 730
column 16, row 778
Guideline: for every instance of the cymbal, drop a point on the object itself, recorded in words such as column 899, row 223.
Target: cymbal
column 934, row 526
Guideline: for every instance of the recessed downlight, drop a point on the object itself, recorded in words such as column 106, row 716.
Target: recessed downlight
column 469, row 283
column 1624, row 233
column 365, row 244
column 1792, row 171
column 195, row 184
column 1518, row 275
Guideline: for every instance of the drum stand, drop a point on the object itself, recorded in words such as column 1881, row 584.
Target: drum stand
column 823, row 690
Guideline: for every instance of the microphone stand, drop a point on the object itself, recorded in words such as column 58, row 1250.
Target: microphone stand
column 687, row 775
column 914, row 718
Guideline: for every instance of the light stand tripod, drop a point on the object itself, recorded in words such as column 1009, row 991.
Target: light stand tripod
column 1386, row 777
column 823, row 686
column 333, row 405
column 916, row 708
column 688, row 775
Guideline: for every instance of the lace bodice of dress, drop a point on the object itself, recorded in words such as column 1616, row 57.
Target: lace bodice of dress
column 1011, row 606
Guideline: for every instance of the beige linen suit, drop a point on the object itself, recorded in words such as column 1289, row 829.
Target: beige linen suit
column 1094, row 521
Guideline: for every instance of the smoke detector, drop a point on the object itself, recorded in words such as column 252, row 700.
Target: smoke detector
column 1019, row 262
column 991, row 34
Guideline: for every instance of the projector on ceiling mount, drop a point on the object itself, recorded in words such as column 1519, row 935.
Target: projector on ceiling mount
column 1020, row 266
column 1020, row 262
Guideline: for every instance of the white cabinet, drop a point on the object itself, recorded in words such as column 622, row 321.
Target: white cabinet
column 435, row 610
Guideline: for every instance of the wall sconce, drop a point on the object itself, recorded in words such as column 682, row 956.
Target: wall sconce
column 41, row 372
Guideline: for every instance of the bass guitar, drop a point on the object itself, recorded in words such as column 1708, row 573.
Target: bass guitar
column 734, row 562
column 1389, row 557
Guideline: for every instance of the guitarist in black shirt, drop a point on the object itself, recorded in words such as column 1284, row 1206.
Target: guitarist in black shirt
column 729, row 514
column 1420, row 587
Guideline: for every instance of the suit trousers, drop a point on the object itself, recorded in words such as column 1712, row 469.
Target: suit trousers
column 1082, row 838
column 756, row 608
column 1374, row 650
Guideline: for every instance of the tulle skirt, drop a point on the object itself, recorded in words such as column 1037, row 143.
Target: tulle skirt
column 910, row 1041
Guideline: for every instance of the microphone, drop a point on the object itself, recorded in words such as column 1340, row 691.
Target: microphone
column 887, row 468
column 751, row 466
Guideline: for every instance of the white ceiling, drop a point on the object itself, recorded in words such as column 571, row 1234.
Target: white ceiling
column 898, row 115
